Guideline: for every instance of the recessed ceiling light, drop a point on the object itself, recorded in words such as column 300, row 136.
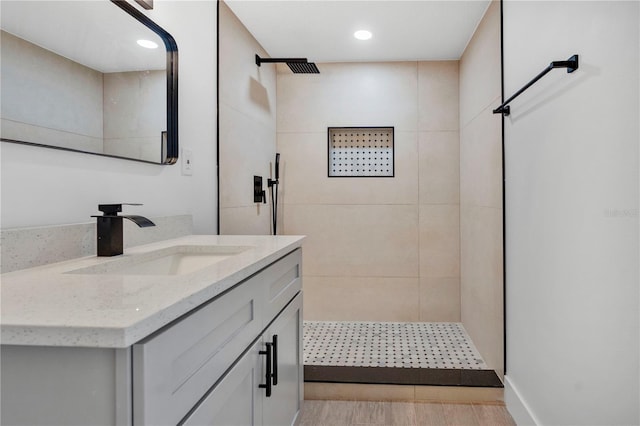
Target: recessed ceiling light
column 363, row 35
column 148, row 44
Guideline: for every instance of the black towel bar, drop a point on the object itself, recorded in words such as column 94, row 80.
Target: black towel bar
column 571, row 65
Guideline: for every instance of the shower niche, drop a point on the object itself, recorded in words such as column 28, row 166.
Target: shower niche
column 360, row 152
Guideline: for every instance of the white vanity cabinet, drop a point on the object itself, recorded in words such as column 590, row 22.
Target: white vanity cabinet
column 204, row 368
column 176, row 367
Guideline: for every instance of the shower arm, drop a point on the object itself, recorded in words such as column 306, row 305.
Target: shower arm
column 260, row 60
column 571, row 64
column 296, row 65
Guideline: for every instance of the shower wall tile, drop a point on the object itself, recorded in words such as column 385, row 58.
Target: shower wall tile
column 481, row 160
column 247, row 148
column 484, row 321
column 247, row 127
column 368, row 231
column 438, row 96
column 439, row 240
column 482, row 325
column 243, row 85
column 354, row 94
column 250, row 220
column 360, row 298
column 480, row 68
column 439, row 157
column 305, row 180
column 481, row 251
column 356, row 240
column 481, row 262
column 482, row 280
column 440, row 299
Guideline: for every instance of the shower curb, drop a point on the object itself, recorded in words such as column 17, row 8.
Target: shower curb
column 402, row 376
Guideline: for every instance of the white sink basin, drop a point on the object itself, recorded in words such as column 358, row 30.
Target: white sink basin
column 176, row 260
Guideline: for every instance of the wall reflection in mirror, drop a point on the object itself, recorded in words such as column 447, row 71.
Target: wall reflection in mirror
column 90, row 77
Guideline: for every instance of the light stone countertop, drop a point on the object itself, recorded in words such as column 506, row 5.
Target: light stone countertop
column 48, row 306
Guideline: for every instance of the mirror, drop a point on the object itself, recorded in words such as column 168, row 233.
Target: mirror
column 74, row 77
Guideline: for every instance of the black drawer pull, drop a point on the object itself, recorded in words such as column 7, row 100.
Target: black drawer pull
column 275, row 359
column 268, row 374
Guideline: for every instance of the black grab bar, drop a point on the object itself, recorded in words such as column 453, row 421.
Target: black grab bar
column 571, row 64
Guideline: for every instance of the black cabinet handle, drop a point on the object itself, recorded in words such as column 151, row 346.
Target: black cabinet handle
column 275, row 359
column 268, row 374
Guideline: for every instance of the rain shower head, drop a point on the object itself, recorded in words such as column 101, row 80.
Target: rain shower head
column 297, row 65
column 303, row 67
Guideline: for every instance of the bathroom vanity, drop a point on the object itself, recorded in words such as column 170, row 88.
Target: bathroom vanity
column 199, row 330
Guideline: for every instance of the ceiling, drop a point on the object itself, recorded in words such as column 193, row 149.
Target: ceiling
column 322, row 30
column 97, row 34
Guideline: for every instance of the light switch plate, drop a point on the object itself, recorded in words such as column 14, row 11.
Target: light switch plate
column 187, row 162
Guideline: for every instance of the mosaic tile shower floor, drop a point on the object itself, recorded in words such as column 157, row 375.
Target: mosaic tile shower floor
column 444, row 345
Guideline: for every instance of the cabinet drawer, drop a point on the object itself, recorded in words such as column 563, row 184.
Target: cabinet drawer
column 172, row 370
column 284, row 283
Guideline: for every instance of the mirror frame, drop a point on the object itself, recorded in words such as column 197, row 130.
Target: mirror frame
column 169, row 143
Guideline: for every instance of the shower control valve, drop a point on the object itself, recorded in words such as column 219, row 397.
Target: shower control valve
column 259, row 194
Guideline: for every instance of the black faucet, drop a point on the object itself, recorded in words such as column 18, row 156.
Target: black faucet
column 110, row 228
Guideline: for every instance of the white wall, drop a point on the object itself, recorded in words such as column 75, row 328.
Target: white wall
column 44, row 186
column 572, row 212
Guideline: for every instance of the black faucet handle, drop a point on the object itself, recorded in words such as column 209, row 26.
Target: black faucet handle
column 114, row 209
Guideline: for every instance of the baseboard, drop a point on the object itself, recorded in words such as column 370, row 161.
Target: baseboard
column 517, row 406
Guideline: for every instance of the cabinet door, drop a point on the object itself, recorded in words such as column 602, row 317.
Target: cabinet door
column 236, row 400
column 174, row 368
column 283, row 406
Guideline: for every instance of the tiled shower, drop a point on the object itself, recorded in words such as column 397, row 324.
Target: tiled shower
column 410, row 262
column 390, row 344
